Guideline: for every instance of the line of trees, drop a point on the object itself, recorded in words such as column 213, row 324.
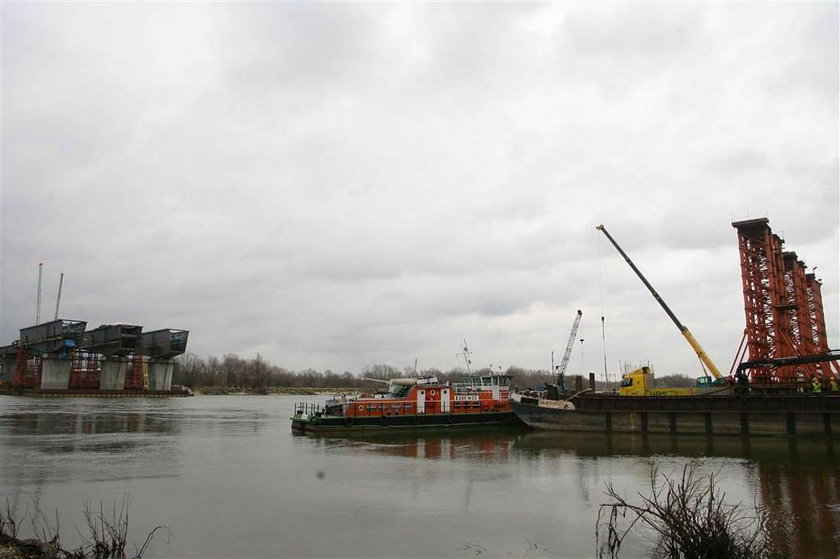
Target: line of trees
column 232, row 371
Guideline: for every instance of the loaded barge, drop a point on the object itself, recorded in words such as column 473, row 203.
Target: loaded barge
column 792, row 414
column 413, row 403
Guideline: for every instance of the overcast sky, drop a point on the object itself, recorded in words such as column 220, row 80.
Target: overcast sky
column 340, row 185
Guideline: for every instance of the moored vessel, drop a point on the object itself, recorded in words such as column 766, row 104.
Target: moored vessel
column 409, row 403
column 779, row 414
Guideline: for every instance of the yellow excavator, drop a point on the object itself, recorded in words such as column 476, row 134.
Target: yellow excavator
column 640, row 381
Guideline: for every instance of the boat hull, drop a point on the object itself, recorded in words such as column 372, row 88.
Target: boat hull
column 779, row 415
column 325, row 424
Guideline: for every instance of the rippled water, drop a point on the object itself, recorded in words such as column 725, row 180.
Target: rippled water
column 228, row 477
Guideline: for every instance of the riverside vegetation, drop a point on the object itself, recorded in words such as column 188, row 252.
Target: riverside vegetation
column 691, row 519
column 105, row 535
column 232, row 373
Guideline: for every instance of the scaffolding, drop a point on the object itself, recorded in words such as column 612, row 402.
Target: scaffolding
column 137, row 374
column 85, row 369
column 785, row 323
column 28, row 367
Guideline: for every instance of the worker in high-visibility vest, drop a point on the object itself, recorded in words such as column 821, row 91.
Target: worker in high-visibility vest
column 832, row 383
column 816, row 382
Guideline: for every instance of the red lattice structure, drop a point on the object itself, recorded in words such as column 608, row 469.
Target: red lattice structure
column 783, row 308
column 84, row 370
column 28, row 368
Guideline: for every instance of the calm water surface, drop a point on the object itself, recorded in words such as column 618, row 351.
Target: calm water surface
column 230, row 480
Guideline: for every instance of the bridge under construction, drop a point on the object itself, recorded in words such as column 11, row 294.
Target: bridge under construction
column 61, row 357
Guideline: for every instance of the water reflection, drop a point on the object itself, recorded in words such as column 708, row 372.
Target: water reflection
column 798, row 479
column 88, row 422
column 230, row 479
column 486, row 445
column 78, row 441
column 605, row 444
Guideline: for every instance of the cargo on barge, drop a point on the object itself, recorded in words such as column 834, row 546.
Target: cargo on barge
column 411, row 403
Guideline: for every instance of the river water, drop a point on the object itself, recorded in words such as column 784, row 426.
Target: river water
column 229, row 479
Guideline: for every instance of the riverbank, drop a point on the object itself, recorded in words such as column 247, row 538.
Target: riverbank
column 12, row 548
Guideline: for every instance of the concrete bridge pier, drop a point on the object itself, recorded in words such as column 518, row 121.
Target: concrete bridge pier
column 55, row 373
column 160, row 374
column 112, row 375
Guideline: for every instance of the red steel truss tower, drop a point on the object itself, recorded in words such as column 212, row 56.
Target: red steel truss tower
column 783, row 308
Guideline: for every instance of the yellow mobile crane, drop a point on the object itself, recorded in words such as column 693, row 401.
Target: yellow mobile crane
column 644, row 376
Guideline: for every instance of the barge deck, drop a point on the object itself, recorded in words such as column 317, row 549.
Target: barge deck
column 798, row 414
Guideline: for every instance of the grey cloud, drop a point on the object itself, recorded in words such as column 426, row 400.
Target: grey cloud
column 810, row 44
column 632, row 30
column 340, row 184
column 739, row 162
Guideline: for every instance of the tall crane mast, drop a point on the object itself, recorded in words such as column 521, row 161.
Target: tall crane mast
column 561, row 368
column 695, row 345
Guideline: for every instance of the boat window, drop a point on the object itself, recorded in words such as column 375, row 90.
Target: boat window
column 627, row 382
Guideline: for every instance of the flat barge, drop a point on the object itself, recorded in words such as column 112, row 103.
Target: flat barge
column 781, row 415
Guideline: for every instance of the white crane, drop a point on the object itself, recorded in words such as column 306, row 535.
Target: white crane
column 561, row 368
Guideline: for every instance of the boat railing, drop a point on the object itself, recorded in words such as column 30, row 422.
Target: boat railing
column 308, row 408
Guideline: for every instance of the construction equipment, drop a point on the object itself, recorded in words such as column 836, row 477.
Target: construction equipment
column 640, row 382
column 695, row 345
column 561, row 368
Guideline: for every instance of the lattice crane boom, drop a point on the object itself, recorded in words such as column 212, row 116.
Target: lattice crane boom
column 561, row 368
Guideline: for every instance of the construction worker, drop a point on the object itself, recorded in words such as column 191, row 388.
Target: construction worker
column 816, row 383
column 832, row 383
column 742, row 383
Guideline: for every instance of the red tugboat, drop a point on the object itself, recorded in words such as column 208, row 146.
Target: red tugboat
column 411, row 403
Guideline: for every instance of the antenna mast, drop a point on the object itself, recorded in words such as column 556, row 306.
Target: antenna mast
column 466, row 354
column 58, row 297
column 553, row 366
column 38, row 303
